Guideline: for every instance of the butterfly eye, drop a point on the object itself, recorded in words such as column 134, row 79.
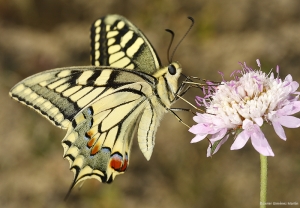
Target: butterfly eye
column 172, row 69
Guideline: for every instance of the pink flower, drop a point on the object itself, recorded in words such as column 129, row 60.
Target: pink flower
column 241, row 106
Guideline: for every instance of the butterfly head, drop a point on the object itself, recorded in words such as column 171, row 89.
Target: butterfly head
column 173, row 72
column 167, row 85
column 170, row 72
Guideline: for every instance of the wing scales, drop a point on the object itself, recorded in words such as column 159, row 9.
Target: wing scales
column 118, row 43
column 59, row 94
column 103, row 132
column 103, row 106
column 146, row 131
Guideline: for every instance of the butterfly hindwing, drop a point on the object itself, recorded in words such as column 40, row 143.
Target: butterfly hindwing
column 98, row 142
column 118, row 43
column 101, row 115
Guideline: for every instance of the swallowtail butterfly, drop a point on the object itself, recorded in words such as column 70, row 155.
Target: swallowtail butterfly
column 102, row 106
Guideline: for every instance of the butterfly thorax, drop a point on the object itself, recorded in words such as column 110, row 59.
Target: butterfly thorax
column 167, row 84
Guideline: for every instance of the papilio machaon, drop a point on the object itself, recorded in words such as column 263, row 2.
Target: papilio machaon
column 102, row 106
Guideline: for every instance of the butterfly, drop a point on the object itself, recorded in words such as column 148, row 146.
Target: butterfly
column 102, row 106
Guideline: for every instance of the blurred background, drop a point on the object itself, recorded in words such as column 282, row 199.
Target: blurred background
column 39, row 35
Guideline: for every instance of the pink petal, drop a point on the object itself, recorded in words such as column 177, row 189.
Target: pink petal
column 289, row 121
column 198, row 138
column 279, row 130
column 259, row 121
column 294, row 86
column 203, row 128
column 208, row 154
column 200, row 129
column 202, row 118
column 195, row 129
column 285, row 110
column 295, row 109
column 288, row 78
column 258, row 63
column 240, row 141
column 247, row 123
column 261, row 144
column 198, row 119
column 219, row 135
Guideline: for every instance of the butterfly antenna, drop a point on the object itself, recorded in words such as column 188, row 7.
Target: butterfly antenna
column 172, row 38
column 192, row 20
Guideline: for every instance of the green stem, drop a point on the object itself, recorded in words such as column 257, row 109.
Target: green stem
column 263, row 181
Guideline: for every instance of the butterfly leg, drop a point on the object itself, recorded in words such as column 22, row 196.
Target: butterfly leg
column 183, row 109
column 196, row 108
column 179, row 95
column 178, row 118
column 189, row 83
column 181, row 92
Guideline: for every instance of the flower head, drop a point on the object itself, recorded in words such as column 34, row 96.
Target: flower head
column 242, row 105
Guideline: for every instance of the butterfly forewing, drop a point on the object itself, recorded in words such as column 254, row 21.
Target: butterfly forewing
column 60, row 94
column 118, row 43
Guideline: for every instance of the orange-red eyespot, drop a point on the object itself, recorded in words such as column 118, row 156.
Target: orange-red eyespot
column 125, row 163
column 117, row 162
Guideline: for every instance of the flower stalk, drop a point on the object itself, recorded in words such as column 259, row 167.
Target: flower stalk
column 263, row 180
